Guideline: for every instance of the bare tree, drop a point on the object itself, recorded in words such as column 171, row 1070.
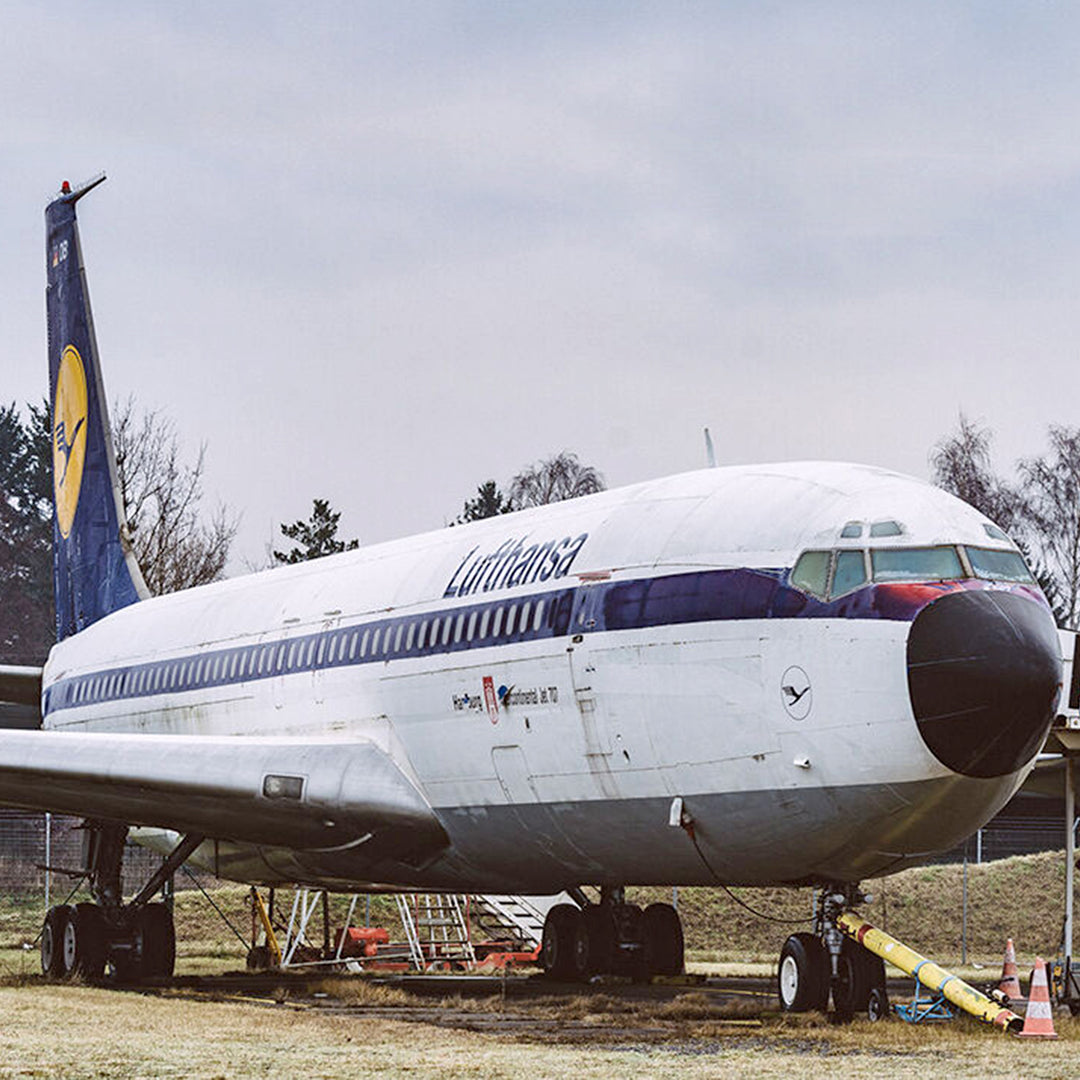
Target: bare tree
column 553, row 480
column 960, row 463
column 175, row 547
column 1052, row 484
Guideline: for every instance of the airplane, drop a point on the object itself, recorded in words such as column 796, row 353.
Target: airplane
column 790, row 674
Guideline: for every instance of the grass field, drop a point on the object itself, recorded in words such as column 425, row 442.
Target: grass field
column 74, row 1031
column 360, row 1029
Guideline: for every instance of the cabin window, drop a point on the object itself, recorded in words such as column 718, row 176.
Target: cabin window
column 458, row 627
column 397, row 637
column 363, row 643
column 916, row 564
column 422, row 636
column 352, row 644
column 886, row 528
column 511, row 615
column 496, row 626
column 811, row 573
column 523, row 623
column 471, row 632
column 322, row 651
column 331, row 649
column 849, row 574
column 375, row 640
column 997, row 565
column 484, row 620
column 448, row 625
column 232, row 665
column 538, row 617
column 409, row 636
column 435, row 631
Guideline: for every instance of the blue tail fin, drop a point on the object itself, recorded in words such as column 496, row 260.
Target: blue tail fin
column 94, row 569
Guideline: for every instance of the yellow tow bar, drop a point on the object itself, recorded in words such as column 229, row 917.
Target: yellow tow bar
column 952, row 987
column 264, row 918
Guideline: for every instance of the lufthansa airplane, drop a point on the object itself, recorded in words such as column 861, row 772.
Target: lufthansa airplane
column 791, row 674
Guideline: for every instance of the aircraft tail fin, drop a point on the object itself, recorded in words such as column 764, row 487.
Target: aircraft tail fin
column 94, row 567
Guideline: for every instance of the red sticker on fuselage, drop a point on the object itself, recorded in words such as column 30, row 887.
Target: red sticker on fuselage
column 490, row 699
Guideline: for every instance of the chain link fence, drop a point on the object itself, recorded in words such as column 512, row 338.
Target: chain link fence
column 41, row 855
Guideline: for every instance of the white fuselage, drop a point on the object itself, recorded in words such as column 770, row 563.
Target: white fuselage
column 552, row 755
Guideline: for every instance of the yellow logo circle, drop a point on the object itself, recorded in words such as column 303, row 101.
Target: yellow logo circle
column 69, row 436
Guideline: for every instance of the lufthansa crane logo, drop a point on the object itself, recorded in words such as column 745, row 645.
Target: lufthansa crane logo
column 795, row 693
column 69, row 436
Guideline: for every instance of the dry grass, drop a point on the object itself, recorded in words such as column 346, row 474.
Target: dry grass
column 86, row 1032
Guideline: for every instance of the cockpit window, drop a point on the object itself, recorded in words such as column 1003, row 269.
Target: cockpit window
column 849, row 574
column 811, row 573
column 916, row 564
column 852, row 530
column 886, row 528
column 998, row 565
column 994, row 532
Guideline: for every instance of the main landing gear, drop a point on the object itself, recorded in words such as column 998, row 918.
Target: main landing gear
column 136, row 940
column 611, row 937
column 826, row 963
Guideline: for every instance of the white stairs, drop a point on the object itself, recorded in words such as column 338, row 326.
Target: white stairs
column 519, row 919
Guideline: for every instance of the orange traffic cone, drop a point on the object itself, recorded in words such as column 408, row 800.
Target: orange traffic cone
column 1039, row 1020
column 1010, row 980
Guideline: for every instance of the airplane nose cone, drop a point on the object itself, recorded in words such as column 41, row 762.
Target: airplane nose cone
column 984, row 670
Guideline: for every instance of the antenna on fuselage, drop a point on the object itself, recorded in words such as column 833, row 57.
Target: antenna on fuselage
column 710, row 453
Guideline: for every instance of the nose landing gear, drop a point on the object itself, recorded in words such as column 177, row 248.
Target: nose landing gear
column 826, row 963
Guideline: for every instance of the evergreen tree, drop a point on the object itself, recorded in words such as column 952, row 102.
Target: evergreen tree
column 316, row 537
column 489, row 502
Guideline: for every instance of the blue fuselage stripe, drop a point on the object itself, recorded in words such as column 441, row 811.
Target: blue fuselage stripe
column 698, row 596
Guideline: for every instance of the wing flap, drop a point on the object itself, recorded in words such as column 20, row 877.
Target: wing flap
column 308, row 795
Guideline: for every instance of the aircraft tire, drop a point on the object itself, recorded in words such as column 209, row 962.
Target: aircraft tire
column 158, row 934
column 663, row 940
column 88, row 925
column 599, row 927
column 558, row 945
column 55, row 944
column 859, row 972
column 877, row 1007
column 803, row 977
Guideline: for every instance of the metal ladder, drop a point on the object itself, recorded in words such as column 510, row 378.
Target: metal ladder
column 436, row 929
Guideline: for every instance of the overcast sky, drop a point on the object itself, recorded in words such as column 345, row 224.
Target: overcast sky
column 381, row 252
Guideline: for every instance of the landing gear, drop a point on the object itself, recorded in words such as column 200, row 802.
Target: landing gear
column 803, row 978
column 137, row 939
column 611, row 937
column 826, row 963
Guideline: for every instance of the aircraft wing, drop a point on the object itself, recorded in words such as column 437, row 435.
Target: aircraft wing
column 307, row 794
column 20, row 685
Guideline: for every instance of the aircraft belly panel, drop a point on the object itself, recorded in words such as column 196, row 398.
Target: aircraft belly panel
column 746, row 838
